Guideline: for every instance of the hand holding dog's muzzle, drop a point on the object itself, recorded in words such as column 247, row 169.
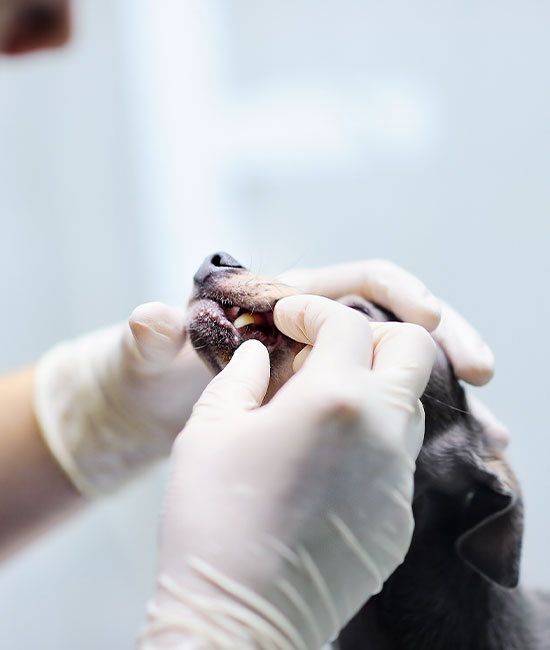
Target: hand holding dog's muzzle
column 410, row 300
column 111, row 402
column 390, row 286
column 280, row 521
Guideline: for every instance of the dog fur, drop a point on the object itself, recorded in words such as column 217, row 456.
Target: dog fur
column 458, row 586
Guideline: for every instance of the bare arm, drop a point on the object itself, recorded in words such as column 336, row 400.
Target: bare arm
column 34, row 491
column 90, row 416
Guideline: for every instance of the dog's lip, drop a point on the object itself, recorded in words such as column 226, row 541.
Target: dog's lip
column 224, row 313
column 215, row 310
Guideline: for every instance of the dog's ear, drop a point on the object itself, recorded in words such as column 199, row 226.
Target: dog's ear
column 492, row 525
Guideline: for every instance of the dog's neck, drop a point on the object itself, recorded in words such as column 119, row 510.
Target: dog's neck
column 434, row 602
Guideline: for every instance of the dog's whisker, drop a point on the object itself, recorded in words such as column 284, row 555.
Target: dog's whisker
column 200, row 347
column 450, row 406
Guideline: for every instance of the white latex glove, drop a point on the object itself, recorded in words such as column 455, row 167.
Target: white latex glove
column 280, row 521
column 407, row 297
column 111, row 402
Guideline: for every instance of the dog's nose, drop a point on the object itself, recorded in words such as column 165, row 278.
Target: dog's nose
column 214, row 264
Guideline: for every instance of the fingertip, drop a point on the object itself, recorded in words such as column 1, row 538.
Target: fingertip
column 288, row 303
column 243, row 383
column 302, row 316
column 472, row 359
column 424, row 347
column 407, row 349
column 420, row 307
column 411, row 335
column 163, row 318
column 401, row 292
column 429, row 315
column 288, row 317
column 158, row 331
column 251, row 349
column 425, row 338
column 251, row 359
column 478, row 371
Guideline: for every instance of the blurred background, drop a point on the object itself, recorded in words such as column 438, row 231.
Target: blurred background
column 288, row 133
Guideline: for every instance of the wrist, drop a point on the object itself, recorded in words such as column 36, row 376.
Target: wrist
column 82, row 416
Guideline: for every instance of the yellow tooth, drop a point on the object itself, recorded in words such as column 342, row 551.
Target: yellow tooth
column 244, row 319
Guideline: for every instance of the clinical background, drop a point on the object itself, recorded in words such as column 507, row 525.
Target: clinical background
column 288, row 133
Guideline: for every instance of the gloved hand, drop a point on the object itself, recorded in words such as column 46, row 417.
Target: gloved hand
column 408, row 298
column 397, row 290
column 113, row 401
column 280, row 521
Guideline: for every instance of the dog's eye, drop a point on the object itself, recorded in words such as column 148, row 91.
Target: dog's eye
column 362, row 308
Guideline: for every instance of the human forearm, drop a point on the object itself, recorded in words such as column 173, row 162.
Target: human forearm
column 90, row 415
column 34, row 491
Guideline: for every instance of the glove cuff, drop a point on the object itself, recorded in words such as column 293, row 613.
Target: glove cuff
column 82, row 416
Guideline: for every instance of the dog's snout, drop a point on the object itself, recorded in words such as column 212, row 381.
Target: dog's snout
column 214, row 264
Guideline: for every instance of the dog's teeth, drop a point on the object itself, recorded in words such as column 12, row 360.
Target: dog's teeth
column 243, row 320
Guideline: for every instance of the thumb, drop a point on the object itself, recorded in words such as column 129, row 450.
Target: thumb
column 156, row 334
column 240, row 386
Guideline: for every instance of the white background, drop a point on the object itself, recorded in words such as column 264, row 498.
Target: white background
column 287, row 133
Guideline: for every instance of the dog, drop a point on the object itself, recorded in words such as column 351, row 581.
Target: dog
column 457, row 588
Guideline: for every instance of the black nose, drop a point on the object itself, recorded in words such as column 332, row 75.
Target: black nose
column 214, row 264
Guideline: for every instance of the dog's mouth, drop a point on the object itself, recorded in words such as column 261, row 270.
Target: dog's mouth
column 251, row 324
column 238, row 323
column 229, row 308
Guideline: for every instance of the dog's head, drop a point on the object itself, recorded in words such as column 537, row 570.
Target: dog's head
column 466, row 498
